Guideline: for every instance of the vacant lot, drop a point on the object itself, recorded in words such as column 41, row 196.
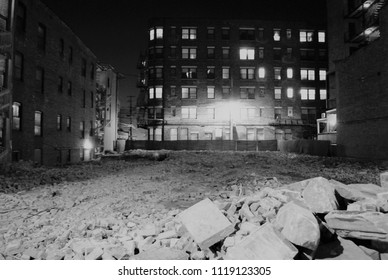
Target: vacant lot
column 47, row 209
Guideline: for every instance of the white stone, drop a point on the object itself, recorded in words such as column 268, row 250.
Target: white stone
column 319, row 195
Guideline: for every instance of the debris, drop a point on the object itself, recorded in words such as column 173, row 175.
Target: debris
column 341, row 249
column 384, row 180
column 161, row 254
column 96, row 254
column 319, row 195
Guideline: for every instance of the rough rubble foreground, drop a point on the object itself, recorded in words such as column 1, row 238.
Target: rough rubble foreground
column 135, row 217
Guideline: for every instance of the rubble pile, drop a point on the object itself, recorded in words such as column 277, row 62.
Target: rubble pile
column 311, row 219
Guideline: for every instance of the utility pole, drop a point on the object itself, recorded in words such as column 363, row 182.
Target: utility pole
column 130, row 117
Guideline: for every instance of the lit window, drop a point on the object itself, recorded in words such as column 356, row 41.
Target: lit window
column 225, row 73
column 321, row 36
column 278, row 93
column 151, row 93
column 290, row 73
column 189, row 33
column 247, row 73
column 152, row 34
column 189, row 112
column 38, row 123
column 306, row 36
column 210, row 92
column 189, row 53
column 290, row 111
column 68, row 123
column 158, row 92
column 159, row 33
column 277, row 113
column 278, row 71
column 276, row 34
column 307, row 74
column 290, row 92
column 307, row 94
column 189, row 92
column 247, row 53
column 323, row 94
column 261, row 72
column 189, row 73
column 59, row 122
column 322, row 75
column 16, row 116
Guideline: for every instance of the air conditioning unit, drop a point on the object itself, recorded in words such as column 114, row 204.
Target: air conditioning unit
column 323, row 115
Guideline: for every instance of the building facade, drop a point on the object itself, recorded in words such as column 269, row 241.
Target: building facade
column 54, row 84
column 205, row 79
column 108, row 107
column 5, row 79
column 358, row 83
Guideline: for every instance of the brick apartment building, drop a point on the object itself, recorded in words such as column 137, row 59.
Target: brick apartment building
column 358, row 83
column 5, row 80
column 54, row 83
column 208, row 79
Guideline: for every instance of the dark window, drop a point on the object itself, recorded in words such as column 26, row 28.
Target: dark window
column 210, row 73
column 261, row 33
column 225, row 35
column 82, row 129
column 91, row 133
column 226, row 92
column 307, row 54
column 39, row 77
column 173, row 33
column 60, row 84
column 159, row 52
column 19, row 66
column 70, row 55
column 69, row 88
column 92, row 71
column 68, row 124
column 83, row 68
column 59, row 122
column 210, row 33
column 83, row 101
column 247, row 34
column 61, row 48
column 173, row 52
column 41, row 37
column 91, row 99
column 247, row 93
column 278, row 113
column 20, row 24
column 173, row 72
column 277, row 53
column 225, row 53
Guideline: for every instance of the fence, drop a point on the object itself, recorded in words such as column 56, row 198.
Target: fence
column 312, row 147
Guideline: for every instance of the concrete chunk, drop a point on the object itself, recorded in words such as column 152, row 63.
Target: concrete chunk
column 205, row 223
column 162, row 253
column 95, row 254
column 266, row 243
column 319, row 195
column 384, row 180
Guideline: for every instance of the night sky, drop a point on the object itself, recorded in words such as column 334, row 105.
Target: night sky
column 116, row 30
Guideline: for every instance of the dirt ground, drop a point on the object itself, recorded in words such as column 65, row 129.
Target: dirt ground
column 45, row 208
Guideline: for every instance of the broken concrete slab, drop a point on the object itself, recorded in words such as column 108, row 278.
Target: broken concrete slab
column 319, row 195
column 357, row 192
column 373, row 254
column 340, row 249
column 96, row 254
column 298, row 225
column 205, row 223
column 384, row 180
column 364, row 205
column 267, row 243
column 360, row 225
column 161, row 254
column 14, row 247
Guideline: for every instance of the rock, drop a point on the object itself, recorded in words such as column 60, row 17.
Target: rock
column 384, row 180
column 107, row 256
column 55, row 254
column 373, row 254
column 319, row 195
column 118, row 252
column 33, row 253
column 298, row 186
column 82, row 246
column 292, row 195
column 357, row 192
column 198, row 255
column 384, row 256
column 96, row 254
column 167, row 235
column 205, row 223
column 341, row 249
column 162, row 253
column 266, row 243
column 14, row 247
column 247, row 228
column 360, row 225
column 229, row 242
column 149, row 230
column 298, row 225
column 131, row 225
column 363, row 205
column 245, row 212
column 384, row 208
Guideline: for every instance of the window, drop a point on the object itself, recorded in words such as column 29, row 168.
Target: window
column 322, row 54
column 211, row 113
column 189, row 92
column 210, row 73
column 290, row 73
column 83, row 67
column 225, row 53
column 247, row 93
column 158, row 52
column 307, row 94
column 247, row 53
column 208, row 135
column 278, row 73
column 289, row 33
column 211, row 52
column 20, row 22
column 59, row 122
column 261, row 52
column 261, row 91
column 322, row 75
column 260, row 134
column 69, row 88
column 38, row 123
column 261, row 72
column 173, row 52
column 173, row 91
column 156, row 33
column 250, row 134
column 309, row 115
column 16, row 116
column 307, row 74
column 247, row 73
column 189, row 53
column 278, row 93
column 210, row 33
column 41, row 37
column 83, row 100
column 189, row 33
column 290, row 92
column 92, row 71
column 247, row 34
column 225, row 33
column 39, row 77
column 60, row 84
column 276, row 35
column 321, row 37
column 173, row 33
column 210, row 92
column 173, row 111
column 173, row 134
column 289, row 52
column 277, row 53
column 278, row 113
column 184, row 134
column 68, row 124
column 218, row 133
column 61, row 48
column 70, row 55
column 82, row 129
column 261, row 33
column 189, row 112
column 225, row 73
column 91, row 99
column 19, row 66
column 307, row 54
column 322, row 94
column 225, row 92
column 189, row 72
column 155, row 92
column 158, row 134
column 306, row 36
column 91, row 132
column 173, row 71
column 247, row 113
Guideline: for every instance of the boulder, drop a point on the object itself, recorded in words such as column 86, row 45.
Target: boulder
column 298, row 225
column 319, row 195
